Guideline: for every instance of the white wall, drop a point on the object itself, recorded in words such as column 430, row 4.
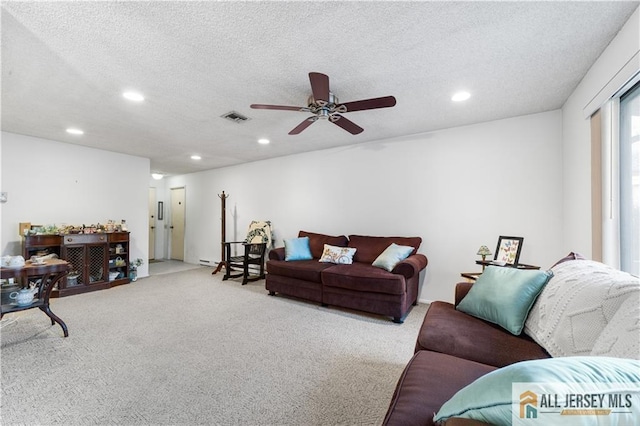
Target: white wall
column 457, row 189
column 54, row 183
column 616, row 64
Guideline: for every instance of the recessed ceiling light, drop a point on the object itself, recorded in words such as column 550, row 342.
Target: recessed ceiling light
column 75, row 131
column 460, row 96
column 157, row 176
column 133, row 96
column 196, row 157
column 263, row 141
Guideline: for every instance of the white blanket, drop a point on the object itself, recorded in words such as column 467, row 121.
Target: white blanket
column 576, row 307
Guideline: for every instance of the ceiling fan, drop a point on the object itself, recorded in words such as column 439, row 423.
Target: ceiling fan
column 325, row 105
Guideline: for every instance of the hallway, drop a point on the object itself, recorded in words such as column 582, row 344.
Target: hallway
column 168, row 266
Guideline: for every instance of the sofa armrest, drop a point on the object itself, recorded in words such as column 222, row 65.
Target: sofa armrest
column 276, row 254
column 461, row 291
column 411, row 266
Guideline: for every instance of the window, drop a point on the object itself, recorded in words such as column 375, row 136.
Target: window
column 630, row 181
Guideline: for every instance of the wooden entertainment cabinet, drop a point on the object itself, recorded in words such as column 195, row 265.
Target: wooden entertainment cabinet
column 93, row 258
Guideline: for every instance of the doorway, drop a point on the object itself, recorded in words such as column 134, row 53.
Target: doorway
column 152, row 223
column 177, row 223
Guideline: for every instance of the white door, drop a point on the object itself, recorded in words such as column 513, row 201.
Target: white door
column 177, row 223
column 152, row 223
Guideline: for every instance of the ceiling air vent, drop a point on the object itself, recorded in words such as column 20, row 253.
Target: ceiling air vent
column 235, row 117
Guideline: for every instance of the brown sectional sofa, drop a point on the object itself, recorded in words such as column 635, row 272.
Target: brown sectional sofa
column 359, row 285
column 453, row 349
column 428, row 381
column 452, row 332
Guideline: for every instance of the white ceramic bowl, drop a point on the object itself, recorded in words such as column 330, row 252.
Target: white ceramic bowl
column 13, row 262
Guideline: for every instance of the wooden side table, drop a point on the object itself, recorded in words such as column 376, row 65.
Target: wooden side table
column 472, row 276
column 49, row 275
column 517, row 266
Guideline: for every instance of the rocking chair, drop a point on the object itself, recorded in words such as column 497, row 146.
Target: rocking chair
column 255, row 247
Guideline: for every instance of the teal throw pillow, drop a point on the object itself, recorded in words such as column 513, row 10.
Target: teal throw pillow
column 391, row 256
column 297, row 249
column 504, row 296
column 553, row 391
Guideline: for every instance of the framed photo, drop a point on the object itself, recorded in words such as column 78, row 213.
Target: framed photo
column 508, row 250
column 160, row 210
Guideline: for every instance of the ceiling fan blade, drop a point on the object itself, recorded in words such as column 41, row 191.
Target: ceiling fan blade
column 300, row 127
column 384, row 102
column 319, row 86
column 279, row 107
column 348, row 125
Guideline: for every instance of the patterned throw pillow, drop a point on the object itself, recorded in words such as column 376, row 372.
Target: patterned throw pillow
column 339, row 255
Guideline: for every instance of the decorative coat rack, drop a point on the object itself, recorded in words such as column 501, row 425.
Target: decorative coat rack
column 223, row 233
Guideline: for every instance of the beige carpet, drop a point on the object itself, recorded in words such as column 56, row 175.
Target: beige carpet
column 189, row 349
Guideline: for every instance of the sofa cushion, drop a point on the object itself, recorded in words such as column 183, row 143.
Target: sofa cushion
column 338, row 255
column 369, row 248
column 391, row 256
column 307, row 270
column 577, row 304
column 317, row 242
column 504, row 296
column 363, row 277
column 428, row 381
column 450, row 331
column 504, row 394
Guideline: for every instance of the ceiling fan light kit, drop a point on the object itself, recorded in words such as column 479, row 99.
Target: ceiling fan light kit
column 326, row 106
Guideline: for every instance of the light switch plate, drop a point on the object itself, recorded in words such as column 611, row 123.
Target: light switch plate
column 3, row 197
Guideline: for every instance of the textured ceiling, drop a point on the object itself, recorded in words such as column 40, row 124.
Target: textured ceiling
column 66, row 64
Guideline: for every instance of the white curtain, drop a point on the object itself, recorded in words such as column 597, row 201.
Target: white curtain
column 610, row 183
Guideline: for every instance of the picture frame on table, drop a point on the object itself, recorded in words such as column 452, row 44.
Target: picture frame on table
column 508, row 250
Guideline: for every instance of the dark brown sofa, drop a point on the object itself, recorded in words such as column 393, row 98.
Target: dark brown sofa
column 359, row 285
column 453, row 349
